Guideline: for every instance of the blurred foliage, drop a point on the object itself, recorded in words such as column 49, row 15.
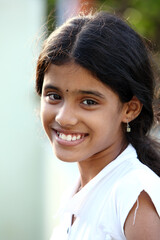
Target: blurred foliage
column 144, row 16
column 51, row 10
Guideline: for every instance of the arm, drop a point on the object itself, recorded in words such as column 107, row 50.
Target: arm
column 147, row 221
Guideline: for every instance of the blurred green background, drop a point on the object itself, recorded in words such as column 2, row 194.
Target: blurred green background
column 144, row 16
column 31, row 178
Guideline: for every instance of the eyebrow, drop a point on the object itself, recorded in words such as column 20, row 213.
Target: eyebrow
column 89, row 92
column 49, row 86
column 96, row 93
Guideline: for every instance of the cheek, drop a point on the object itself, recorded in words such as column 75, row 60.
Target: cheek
column 45, row 115
column 108, row 122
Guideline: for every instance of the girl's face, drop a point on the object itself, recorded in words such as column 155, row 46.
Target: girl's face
column 81, row 116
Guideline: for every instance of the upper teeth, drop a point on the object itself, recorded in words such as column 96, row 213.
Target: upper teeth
column 69, row 137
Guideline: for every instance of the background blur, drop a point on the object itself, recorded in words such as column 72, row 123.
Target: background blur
column 31, row 178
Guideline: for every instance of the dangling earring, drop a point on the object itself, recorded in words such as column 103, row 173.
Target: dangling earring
column 128, row 127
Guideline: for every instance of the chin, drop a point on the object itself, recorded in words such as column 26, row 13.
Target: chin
column 64, row 157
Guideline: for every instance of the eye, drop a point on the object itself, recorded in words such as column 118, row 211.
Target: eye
column 53, row 96
column 89, row 102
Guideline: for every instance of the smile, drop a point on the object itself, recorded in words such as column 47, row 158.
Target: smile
column 70, row 137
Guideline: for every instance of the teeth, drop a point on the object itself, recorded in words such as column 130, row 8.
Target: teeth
column 63, row 136
column 79, row 136
column 74, row 138
column 69, row 137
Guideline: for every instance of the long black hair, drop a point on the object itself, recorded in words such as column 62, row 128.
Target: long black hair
column 113, row 52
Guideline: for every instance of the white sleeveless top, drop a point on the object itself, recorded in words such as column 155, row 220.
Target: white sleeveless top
column 102, row 206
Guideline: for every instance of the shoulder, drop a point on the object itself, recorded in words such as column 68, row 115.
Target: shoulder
column 142, row 221
column 139, row 176
column 139, row 184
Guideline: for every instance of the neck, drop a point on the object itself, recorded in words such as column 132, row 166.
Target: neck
column 91, row 167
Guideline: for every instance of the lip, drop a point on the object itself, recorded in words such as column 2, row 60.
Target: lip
column 69, row 143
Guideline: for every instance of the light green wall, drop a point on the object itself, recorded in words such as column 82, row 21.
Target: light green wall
column 21, row 155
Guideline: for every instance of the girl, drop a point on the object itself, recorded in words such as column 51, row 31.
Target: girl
column 96, row 86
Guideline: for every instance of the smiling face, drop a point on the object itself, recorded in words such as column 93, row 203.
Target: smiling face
column 81, row 116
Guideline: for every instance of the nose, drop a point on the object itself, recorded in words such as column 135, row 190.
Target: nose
column 66, row 116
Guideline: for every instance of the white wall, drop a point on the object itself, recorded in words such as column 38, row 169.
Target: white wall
column 21, row 154
column 66, row 9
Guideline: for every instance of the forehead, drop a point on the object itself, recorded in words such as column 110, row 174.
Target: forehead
column 73, row 80
column 71, row 76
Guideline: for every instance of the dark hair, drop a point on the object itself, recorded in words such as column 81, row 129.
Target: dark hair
column 113, row 52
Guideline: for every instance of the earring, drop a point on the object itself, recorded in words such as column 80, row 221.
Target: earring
column 128, row 127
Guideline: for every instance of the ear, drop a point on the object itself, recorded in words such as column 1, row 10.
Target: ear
column 132, row 109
